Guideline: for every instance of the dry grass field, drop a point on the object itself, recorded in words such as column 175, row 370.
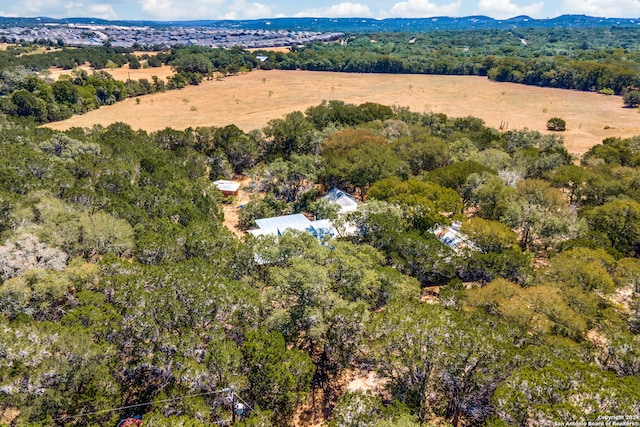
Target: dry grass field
column 41, row 49
column 122, row 73
column 283, row 49
column 250, row 100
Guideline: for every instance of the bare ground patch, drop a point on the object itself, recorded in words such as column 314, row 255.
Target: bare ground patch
column 250, row 100
column 232, row 210
column 283, row 49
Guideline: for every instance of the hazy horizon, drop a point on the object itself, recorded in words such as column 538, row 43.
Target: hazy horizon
column 171, row 10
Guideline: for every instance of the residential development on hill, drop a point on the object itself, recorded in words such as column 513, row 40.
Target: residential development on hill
column 163, row 36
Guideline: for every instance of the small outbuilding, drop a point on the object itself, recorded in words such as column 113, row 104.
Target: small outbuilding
column 228, row 188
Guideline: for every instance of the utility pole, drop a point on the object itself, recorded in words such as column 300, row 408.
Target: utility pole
column 233, row 406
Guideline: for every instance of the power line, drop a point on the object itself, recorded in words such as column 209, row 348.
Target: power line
column 105, row 411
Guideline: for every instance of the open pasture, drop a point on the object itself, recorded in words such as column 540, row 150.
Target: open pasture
column 123, row 73
column 250, row 100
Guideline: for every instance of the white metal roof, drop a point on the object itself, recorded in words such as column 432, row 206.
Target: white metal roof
column 280, row 224
column 224, row 185
column 346, row 202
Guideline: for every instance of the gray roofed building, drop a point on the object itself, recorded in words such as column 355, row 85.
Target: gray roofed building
column 346, row 202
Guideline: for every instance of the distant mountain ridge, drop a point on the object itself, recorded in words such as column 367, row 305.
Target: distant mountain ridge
column 352, row 24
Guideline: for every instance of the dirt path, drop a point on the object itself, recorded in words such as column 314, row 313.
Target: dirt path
column 231, row 211
column 316, row 410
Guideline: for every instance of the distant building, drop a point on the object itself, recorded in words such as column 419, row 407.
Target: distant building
column 228, row 188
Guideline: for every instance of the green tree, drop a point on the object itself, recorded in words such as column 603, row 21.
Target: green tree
column 424, row 204
column 584, row 268
column 487, row 193
column 364, row 409
column 556, row 124
column 489, row 236
column 69, row 373
column 101, row 233
column 619, row 220
column 292, row 135
column 539, row 310
column 564, row 390
column 540, row 215
column 570, row 177
column 29, row 105
column 192, row 63
column 422, row 256
column 631, row 98
column 278, row 378
column 422, row 153
column 440, row 363
column 355, row 159
column 289, row 179
column 627, row 276
column 62, row 146
column 258, row 208
column 455, row 176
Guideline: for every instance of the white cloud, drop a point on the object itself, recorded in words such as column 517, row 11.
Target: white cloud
column 341, row 10
column 243, row 10
column 60, row 9
column 174, row 10
column 421, row 9
column 606, row 8
column 103, row 11
column 501, row 9
column 36, row 7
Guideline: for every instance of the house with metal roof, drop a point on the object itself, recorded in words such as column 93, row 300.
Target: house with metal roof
column 321, row 229
column 277, row 225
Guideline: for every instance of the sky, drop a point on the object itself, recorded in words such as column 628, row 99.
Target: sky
column 173, row 10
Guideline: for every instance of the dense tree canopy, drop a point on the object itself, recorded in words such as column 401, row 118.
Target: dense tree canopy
column 120, row 286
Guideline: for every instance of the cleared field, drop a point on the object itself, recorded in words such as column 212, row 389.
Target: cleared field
column 123, row 73
column 283, row 49
column 37, row 50
column 250, row 100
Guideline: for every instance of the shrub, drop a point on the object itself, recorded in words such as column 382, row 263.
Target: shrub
column 631, row 98
column 556, row 124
